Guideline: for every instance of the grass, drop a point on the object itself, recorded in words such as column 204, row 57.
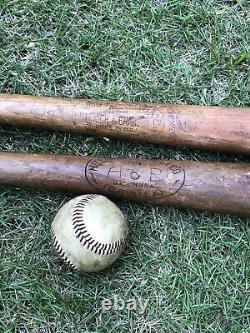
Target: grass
column 193, row 267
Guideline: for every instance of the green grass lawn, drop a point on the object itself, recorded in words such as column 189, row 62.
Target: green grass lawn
column 192, row 267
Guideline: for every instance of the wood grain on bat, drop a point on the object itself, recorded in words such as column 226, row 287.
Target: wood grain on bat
column 217, row 187
column 213, row 128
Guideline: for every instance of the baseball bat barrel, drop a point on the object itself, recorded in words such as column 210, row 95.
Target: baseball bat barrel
column 206, row 127
column 217, row 187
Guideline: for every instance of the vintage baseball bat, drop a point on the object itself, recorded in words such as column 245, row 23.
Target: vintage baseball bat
column 218, row 187
column 206, row 127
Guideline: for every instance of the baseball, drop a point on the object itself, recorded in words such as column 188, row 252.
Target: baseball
column 89, row 232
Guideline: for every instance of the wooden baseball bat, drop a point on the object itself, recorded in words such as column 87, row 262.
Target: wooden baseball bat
column 218, row 187
column 213, row 128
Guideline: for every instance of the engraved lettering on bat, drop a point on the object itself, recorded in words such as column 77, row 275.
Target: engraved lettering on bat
column 89, row 118
column 172, row 126
column 144, row 181
column 93, row 169
column 157, row 120
column 155, row 175
column 119, row 119
column 106, row 118
column 115, row 175
column 127, row 121
column 121, row 173
column 242, row 132
column 175, row 168
column 158, row 193
column 43, row 113
column 94, row 165
column 134, row 175
column 176, row 122
column 170, row 121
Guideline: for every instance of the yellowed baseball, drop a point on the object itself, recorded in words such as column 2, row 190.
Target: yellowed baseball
column 90, row 232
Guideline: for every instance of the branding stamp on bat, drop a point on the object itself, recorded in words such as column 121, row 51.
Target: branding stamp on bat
column 135, row 180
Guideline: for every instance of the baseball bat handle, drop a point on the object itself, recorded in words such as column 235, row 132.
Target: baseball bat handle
column 206, row 127
column 217, row 187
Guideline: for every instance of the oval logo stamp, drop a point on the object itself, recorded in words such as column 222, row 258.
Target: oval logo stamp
column 135, row 179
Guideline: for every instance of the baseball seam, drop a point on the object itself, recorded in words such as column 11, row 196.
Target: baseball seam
column 85, row 238
column 60, row 251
